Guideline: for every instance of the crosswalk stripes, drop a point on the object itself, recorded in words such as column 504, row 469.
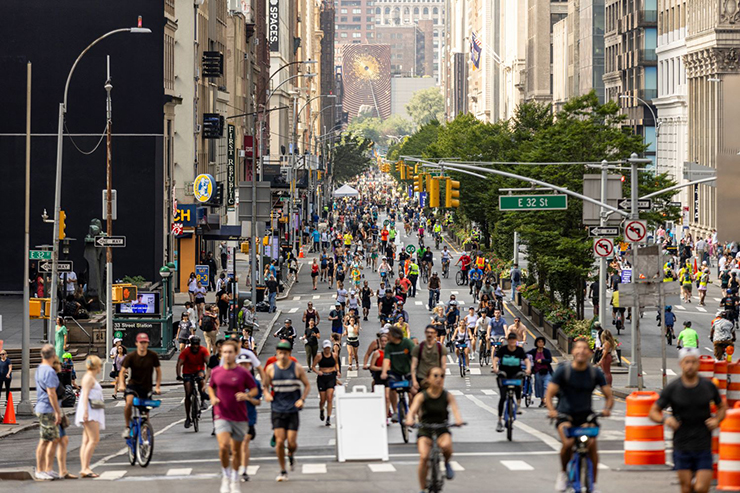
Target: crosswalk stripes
column 314, row 468
column 489, row 392
column 381, row 467
column 296, row 298
column 316, row 296
column 185, row 471
column 456, row 466
column 680, row 307
column 455, row 392
column 475, row 371
column 516, row 465
column 701, row 309
column 111, row 475
column 293, row 310
column 419, row 303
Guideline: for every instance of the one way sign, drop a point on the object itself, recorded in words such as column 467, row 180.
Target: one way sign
column 642, row 204
column 62, row 266
column 110, row 241
column 608, row 231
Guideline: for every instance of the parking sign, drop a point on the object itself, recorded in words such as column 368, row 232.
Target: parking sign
column 201, row 274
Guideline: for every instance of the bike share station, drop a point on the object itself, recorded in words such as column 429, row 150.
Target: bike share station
column 151, row 313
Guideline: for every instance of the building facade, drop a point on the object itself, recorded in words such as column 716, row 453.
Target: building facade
column 355, row 22
column 411, row 56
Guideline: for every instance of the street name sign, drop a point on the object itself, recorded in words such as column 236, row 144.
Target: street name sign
column 642, row 204
column 39, row 255
column 604, row 247
column 635, row 231
column 110, row 241
column 610, row 231
column 532, row 202
column 62, row 266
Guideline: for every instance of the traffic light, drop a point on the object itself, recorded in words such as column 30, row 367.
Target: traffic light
column 433, row 190
column 419, row 183
column 62, row 225
column 428, row 182
column 402, row 169
column 452, row 193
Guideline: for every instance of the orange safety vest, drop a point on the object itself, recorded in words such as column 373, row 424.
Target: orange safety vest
column 480, row 262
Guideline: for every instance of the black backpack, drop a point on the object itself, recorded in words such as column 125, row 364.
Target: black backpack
column 207, row 324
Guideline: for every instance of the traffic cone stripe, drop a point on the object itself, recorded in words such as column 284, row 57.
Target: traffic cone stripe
column 641, row 446
column 729, row 465
column 732, row 437
column 638, row 421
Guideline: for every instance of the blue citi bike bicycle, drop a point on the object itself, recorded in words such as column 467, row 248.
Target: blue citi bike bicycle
column 510, row 407
column 402, row 387
column 141, row 440
column 580, row 470
column 462, row 360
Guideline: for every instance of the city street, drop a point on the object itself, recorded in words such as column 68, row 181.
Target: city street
column 528, row 464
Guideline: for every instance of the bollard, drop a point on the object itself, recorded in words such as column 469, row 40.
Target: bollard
column 706, row 366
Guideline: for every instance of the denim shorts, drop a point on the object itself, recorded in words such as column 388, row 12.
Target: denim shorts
column 690, row 460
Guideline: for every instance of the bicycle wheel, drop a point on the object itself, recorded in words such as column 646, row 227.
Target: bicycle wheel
column 131, row 449
column 195, row 409
column 402, row 417
column 145, row 444
column 587, row 475
column 528, row 391
column 435, row 481
column 482, row 357
column 461, row 363
column 459, row 278
column 510, row 415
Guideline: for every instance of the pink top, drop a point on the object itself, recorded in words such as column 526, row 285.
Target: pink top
column 228, row 383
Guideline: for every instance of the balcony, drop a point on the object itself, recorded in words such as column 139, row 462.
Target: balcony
column 648, row 56
column 648, row 17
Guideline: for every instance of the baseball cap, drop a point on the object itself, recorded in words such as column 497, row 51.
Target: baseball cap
column 250, row 356
column 688, row 351
column 326, row 343
column 117, row 340
column 511, row 335
column 284, row 345
column 142, row 337
column 242, row 358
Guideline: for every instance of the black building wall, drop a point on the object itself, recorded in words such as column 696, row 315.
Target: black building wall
column 51, row 34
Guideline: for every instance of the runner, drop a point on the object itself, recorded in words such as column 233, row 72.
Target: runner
column 284, row 377
column 326, row 367
column 227, row 391
column 142, row 363
column 246, row 360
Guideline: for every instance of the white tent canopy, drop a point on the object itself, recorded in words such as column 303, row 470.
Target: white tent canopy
column 346, row 191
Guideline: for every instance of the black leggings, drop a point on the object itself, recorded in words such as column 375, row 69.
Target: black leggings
column 6, row 383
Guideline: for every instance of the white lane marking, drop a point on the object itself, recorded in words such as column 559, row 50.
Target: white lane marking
column 680, row 307
column 125, row 449
column 381, row 467
column 293, row 310
column 475, row 371
column 516, row 465
column 456, row 466
column 717, row 299
column 461, row 302
column 454, row 292
column 551, row 442
column 344, row 361
column 296, row 298
column 670, row 373
column 419, row 303
column 252, row 470
column 603, row 467
column 111, row 475
column 488, row 392
column 447, row 371
column 185, row 471
column 314, row 468
column 351, row 373
column 709, row 349
column 455, row 392
column 450, row 360
column 121, row 404
column 332, row 442
column 701, row 309
column 316, row 296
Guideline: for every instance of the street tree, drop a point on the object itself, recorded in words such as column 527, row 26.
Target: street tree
column 351, row 157
column 426, row 105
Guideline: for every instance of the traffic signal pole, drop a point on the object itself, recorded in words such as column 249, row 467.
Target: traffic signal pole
column 107, row 366
column 602, row 260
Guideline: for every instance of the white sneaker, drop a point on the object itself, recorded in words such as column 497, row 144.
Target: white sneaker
column 561, row 483
column 596, row 489
column 42, row 476
column 225, row 488
column 53, row 475
column 235, row 487
column 283, row 476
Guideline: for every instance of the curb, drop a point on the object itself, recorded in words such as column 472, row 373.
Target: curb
column 268, row 330
column 286, row 293
column 512, row 306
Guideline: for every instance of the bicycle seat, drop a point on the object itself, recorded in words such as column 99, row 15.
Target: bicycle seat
column 514, row 382
column 147, row 403
column 401, row 384
column 586, row 431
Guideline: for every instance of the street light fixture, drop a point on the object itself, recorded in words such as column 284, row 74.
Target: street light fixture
column 655, row 119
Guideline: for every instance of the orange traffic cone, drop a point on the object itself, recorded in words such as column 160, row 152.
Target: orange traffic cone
column 300, row 253
column 9, row 412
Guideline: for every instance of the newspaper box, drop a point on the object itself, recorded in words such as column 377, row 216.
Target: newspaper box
column 361, row 424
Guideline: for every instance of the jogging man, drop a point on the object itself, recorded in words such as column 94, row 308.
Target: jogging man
column 191, row 364
column 575, row 382
column 692, row 423
column 227, row 390
column 285, row 377
column 142, row 363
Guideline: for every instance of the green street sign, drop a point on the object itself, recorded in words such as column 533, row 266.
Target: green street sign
column 532, row 202
column 118, row 334
column 410, row 249
column 39, row 255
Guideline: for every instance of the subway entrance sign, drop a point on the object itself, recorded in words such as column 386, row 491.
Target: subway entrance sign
column 532, row 202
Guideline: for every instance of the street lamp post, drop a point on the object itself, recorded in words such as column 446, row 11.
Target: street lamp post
column 26, row 405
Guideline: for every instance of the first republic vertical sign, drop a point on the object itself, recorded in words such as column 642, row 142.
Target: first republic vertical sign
column 273, row 25
column 231, row 165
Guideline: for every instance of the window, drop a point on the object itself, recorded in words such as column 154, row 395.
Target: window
column 435, row 11
column 406, row 11
column 387, row 11
column 343, row 35
column 343, row 19
column 342, row 11
column 356, row 11
column 426, row 10
column 369, row 27
column 356, row 35
column 416, row 10
column 357, row 19
column 369, row 35
column 371, row 11
column 377, row 10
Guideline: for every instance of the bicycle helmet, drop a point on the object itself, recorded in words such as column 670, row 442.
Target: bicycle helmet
column 288, row 321
column 687, row 323
column 453, row 303
column 194, row 339
column 668, row 308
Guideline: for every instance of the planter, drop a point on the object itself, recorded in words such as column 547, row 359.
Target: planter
column 537, row 316
column 526, row 307
column 565, row 342
column 505, row 284
column 549, row 329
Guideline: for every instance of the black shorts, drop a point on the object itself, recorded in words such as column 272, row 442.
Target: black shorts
column 685, row 460
column 285, row 421
column 441, row 332
column 366, row 304
column 353, row 343
column 252, row 432
column 326, row 381
column 340, row 277
column 427, row 433
column 377, row 380
column 579, row 419
column 137, row 391
column 313, row 274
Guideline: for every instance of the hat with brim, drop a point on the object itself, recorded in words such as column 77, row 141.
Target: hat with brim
column 284, row 345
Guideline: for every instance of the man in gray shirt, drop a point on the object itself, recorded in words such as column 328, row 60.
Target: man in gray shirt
column 49, row 414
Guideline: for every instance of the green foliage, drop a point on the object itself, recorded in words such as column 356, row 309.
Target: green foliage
column 351, row 157
column 137, row 280
column 381, row 132
column 426, row 105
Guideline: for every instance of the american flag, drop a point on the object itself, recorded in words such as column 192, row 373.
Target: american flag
column 475, row 50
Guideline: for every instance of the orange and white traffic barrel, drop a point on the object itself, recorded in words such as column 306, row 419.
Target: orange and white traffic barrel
column 720, row 373
column 643, row 438
column 733, row 384
column 728, row 469
column 706, row 366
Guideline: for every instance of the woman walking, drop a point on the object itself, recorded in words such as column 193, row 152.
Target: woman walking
column 311, row 341
column 608, row 345
column 117, row 358
column 352, row 333
column 542, row 368
column 90, row 415
column 314, row 273
column 60, row 338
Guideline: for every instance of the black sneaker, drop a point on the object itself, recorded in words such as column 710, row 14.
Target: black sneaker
column 328, row 421
column 321, row 414
column 245, row 477
column 187, row 422
column 291, row 461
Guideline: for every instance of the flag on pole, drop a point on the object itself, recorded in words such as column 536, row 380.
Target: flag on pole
column 475, row 50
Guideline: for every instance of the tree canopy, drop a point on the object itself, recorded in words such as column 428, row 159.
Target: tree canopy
column 350, row 157
column 426, row 105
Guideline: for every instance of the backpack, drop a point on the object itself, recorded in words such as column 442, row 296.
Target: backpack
column 207, row 325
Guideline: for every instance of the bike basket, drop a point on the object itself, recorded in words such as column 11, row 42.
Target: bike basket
column 516, row 382
column 402, row 384
column 588, row 431
column 150, row 403
column 461, row 345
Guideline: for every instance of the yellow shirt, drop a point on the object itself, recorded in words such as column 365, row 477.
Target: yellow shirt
column 348, row 239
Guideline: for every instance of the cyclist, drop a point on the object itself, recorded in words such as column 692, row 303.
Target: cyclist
column 384, row 237
column 574, row 382
column 722, row 335
column 142, row 363
column 432, row 405
column 689, row 398
column 227, row 391
column 617, row 311
column 191, row 364
column 461, row 337
column 497, row 328
column 427, row 355
column 397, row 362
column 384, row 269
column 452, row 313
column 464, row 262
column 670, row 320
column 285, row 378
column 386, row 305
column 481, row 331
column 519, row 329
column 508, row 361
column 286, row 332
column 434, row 286
column 476, row 281
column 437, row 231
column 446, row 258
column 471, row 319
column 687, row 337
column 427, row 260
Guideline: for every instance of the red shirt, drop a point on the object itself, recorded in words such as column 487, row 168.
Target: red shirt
column 193, row 363
column 405, row 284
column 273, row 359
column 384, row 235
column 465, row 261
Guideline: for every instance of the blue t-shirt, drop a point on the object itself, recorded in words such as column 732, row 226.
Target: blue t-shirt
column 316, row 235
column 4, row 368
column 251, row 409
column 46, row 378
column 497, row 327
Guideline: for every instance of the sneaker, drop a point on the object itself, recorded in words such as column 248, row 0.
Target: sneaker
column 291, row 461
column 561, row 483
column 187, row 422
column 225, row 487
column 321, row 414
column 203, row 405
column 328, row 421
column 126, row 433
column 449, row 471
column 245, row 477
column 283, row 476
column 53, row 475
column 272, row 441
column 394, row 418
column 42, row 476
column 519, row 411
column 235, row 486
column 500, row 427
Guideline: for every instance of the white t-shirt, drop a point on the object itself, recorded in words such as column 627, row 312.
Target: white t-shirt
column 71, row 279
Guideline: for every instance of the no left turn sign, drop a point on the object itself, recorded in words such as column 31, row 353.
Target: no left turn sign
column 635, row 231
column 604, row 247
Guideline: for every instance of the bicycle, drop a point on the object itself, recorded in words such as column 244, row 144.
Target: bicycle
column 460, row 277
column 462, row 359
column 195, row 410
column 510, row 407
column 484, row 355
column 402, row 387
column 527, row 394
column 435, row 477
column 425, row 273
column 437, row 238
column 580, row 470
column 619, row 325
column 141, row 440
column 446, row 269
column 669, row 334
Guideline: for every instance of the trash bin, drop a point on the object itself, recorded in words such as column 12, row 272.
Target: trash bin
column 261, row 293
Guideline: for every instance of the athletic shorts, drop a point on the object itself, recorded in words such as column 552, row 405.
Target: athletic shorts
column 285, row 421
column 136, row 391
column 424, row 432
column 689, row 460
column 252, row 432
column 237, row 429
column 579, row 419
column 355, row 343
column 326, row 381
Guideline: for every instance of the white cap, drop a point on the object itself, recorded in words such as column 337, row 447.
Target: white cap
column 326, row 343
column 251, row 357
column 687, row 352
column 117, row 340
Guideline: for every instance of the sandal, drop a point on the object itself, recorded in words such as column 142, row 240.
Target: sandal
column 69, row 476
column 92, row 475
